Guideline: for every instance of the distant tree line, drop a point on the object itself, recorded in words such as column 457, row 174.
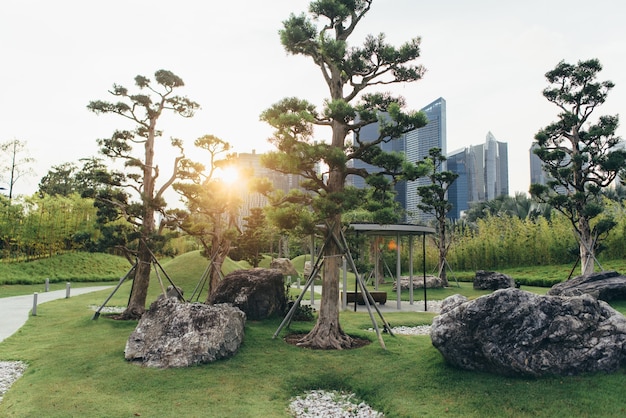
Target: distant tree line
column 42, row 226
column 516, row 231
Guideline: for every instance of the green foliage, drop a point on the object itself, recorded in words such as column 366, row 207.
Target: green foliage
column 144, row 109
column 302, row 312
column 254, row 239
column 348, row 71
column 579, row 154
column 211, row 204
column 520, row 206
column 42, row 225
column 59, row 180
column 506, row 241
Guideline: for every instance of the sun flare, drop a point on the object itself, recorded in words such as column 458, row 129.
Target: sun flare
column 228, row 174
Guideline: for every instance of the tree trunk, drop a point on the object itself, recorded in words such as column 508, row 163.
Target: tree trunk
column 139, row 291
column 220, row 247
column 217, row 260
column 327, row 333
column 587, row 254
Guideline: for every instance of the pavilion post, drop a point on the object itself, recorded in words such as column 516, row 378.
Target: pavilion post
column 424, row 268
column 410, row 269
column 398, row 272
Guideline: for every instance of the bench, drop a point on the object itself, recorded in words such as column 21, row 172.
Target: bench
column 380, row 297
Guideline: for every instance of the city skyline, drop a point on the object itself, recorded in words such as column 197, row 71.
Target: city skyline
column 487, row 58
column 483, row 174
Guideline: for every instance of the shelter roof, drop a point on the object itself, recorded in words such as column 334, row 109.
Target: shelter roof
column 391, row 229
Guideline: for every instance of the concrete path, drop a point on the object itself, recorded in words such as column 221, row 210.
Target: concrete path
column 390, row 306
column 14, row 311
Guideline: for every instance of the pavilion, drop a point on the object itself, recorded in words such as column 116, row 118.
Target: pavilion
column 397, row 231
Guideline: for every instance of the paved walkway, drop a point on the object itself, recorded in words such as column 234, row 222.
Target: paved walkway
column 14, row 311
column 390, row 306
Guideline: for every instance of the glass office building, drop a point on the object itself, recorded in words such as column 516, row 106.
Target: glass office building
column 483, row 174
column 417, row 144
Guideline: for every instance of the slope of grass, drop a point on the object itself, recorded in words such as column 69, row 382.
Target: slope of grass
column 74, row 267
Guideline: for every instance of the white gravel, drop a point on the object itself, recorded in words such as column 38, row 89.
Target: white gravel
column 330, row 404
column 10, row 371
column 108, row 309
column 432, row 305
column 418, row 330
column 325, row 404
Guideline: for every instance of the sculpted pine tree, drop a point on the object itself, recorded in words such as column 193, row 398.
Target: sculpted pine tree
column 144, row 109
column 579, row 154
column 347, row 71
column 212, row 207
column 434, row 200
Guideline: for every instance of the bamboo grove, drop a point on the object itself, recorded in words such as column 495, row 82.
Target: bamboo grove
column 41, row 226
column 500, row 241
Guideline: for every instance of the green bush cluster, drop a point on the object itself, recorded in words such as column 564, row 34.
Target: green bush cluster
column 42, row 226
column 508, row 241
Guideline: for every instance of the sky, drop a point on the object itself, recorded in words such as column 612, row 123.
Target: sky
column 486, row 58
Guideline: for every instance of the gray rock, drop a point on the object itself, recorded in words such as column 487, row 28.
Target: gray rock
column 492, row 280
column 259, row 292
column 174, row 334
column 514, row 332
column 308, row 269
column 432, row 282
column 285, row 266
column 174, row 292
column 605, row 285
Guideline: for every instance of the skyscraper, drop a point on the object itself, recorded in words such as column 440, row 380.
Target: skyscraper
column 458, row 192
column 418, row 143
column 537, row 173
column 496, row 168
column 250, row 166
column 415, row 145
column 483, row 174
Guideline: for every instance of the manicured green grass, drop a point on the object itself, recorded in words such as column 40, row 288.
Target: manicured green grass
column 77, row 368
column 73, row 267
column 543, row 276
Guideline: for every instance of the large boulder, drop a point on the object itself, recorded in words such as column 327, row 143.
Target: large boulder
column 308, row 270
column 175, row 334
column 259, row 292
column 285, row 266
column 605, row 285
column 432, row 282
column 514, row 332
column 492, row 280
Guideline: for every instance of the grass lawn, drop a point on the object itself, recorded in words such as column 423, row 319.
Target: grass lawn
column 76, row 368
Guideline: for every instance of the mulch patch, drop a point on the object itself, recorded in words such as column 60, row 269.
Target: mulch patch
column 356, row 341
